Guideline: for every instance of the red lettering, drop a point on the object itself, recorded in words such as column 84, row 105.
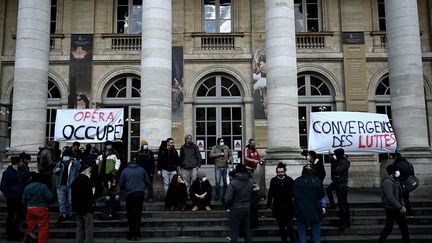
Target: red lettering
column 110, row 117
column 87, row 115
column 101, row 116
column 78, row 116
column 360, row 142
column 94, row 116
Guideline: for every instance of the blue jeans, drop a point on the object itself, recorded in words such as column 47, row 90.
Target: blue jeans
column 220, row 174
column 316, row 231
column 65, row 200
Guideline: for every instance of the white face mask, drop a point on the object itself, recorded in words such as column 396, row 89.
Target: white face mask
column 221, row 144
column 308, row 158
column 145, row 146
column 397, row 174
column 204, row 179
column 334, row 157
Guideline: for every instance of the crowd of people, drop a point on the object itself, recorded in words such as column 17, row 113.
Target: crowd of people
column 82, row 176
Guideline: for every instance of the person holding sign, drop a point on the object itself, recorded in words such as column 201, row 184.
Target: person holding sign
column 339, row 175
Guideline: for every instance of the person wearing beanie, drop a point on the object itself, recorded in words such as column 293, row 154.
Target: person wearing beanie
column 308, row 193
column 190, row 160
column 83, row 204
column 145, row 158
column 133, row 181
column 392, row 200
column 406, row 169
column 339, row 175
column 12, row 185
column 200, row 192
column 280, row 202
column 237, row 199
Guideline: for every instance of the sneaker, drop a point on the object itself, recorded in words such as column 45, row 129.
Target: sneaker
column 195, row 208
column 207, row 208
column 61, row 219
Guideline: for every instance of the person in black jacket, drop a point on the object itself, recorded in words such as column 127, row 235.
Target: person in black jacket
column 168, row 161
column 177, row 194
column 405, row 169
column 394, row 206
column 340, row 179
column 280, row 202
column 317, row 165
column 83, row 204
column 201, row 192
column 12, row 185
column 145, row 159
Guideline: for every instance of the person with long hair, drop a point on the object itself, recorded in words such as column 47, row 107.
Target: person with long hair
column 177, row 194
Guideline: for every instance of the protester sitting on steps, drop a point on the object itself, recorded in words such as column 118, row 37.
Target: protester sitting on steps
column 177, row 194
column 200, row 192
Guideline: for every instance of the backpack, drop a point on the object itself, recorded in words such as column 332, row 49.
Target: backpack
column 412, row 182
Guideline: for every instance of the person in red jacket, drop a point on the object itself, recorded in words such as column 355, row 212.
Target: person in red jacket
column 251, row 157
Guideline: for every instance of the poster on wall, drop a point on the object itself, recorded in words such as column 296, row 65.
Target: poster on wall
column 200, row 144
column 355, row 132
column 259, row 83
column 80, row 71
column 88, row 125
column 237, row 145
column 177, row 83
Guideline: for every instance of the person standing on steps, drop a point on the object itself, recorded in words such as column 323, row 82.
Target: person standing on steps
column 190, row 160
column 222, row 158
column 394, row 206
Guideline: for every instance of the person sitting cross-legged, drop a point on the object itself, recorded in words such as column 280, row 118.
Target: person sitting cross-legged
column 200, row 192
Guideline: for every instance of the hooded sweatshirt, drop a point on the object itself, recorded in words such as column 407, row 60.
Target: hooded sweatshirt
column 238, row 194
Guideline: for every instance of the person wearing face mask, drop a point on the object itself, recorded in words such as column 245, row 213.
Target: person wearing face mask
column 200, row 192
column 145, row 159
column 339, row 175
column 222, row 157
column 280, row 202
column 391, row 197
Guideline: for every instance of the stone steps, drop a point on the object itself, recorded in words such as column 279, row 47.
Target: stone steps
column 160, row 225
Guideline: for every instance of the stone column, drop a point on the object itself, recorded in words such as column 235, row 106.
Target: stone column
column 407, row 89
column 406, row 74
column 283, row 134
column 31, row 76
column 156, row 71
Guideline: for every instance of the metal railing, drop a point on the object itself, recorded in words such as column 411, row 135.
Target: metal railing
column 312, row 40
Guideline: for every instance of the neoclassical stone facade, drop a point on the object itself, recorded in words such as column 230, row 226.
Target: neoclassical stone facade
column 237, row 69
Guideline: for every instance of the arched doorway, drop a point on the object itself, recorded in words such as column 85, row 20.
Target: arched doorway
column 125, row 92
column 219, row 112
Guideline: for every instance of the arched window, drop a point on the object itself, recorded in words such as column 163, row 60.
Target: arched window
column 218, row 113
column 124, row 87
column 218, row 86
column 315, row 95
column 53, row 90
column 382, row 92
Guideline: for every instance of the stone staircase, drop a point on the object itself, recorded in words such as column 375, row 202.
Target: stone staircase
column 160, row 225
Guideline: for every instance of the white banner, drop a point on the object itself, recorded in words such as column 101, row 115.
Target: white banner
column 355, row 132
column 88, row 125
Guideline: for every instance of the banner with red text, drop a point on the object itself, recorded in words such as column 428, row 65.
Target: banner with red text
column 88, row 125
column 355, row 132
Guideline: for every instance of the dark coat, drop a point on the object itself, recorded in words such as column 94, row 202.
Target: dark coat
column 318, row 167
column 145, row 159
column 168, row 159
column 238, row 194
column 308, row 191
column 133, row 179
column 82, row 195
column 340, row 172
column 280, row 197
column 391, row 193
column 200, row 187
column 176, row 195
column 13, row 183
